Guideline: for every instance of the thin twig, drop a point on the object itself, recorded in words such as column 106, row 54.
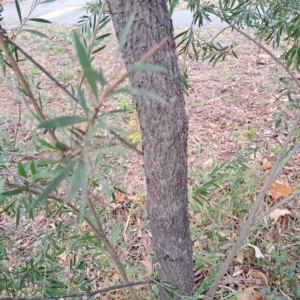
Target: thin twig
column 87, row 295
column 110, row 250
column 33, row 183
column 282, row 202
column 290, row 155
column 27, row 17
column 43, row 70
column 18, row 232
column 17, row 130
column 26, row 86
column 18, row 124
column 126, row 143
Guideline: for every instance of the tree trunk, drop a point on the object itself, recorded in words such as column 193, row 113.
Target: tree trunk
column 164, row 133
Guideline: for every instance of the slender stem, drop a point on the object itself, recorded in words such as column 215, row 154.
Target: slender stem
column 26, row 86
column 111, row 251
column 89, row 51
column 26, row 19
column 291, row 154
column 284, row 201
column 43, row 70
column 86, row 295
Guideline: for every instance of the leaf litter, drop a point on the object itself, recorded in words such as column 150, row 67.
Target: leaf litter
column 230, row 106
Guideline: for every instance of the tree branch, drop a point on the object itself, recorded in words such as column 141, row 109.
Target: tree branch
column 285, row 200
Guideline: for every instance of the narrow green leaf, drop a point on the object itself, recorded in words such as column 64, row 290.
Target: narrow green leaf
column 83, row 192
column 78, row 180
column 98, row 50
column 18, row 10
column 124, row 34
column 234, row 54
column 98, row 76
column 61, row 146
column 61, row 251
column 32, row 168
column 43, row 35
column 18, row 216
column 180, row 34
column 14, row 191
column 82, row 102
column 30, row 209
column 124, row 89
column 47, row 1
column 88, row 71
column 172, row 6
column 102, row 37
column 62, row 122
column 112, row 150
column 21, row 169
column 55, row 182
column 148, row 94
column 146, row 67
column 2, row 181
column 44, row 143
column 39, row 20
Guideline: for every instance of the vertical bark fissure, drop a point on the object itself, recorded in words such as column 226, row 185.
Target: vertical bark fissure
column 164, row 132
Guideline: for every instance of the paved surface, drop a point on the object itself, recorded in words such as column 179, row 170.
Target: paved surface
column 70, row 11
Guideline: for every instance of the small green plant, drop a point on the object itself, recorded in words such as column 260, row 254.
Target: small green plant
column 135, row 138
column 275, row 148
column 59, row 49
column 251, row 133
column 283, row 269
column 33, row 71
column 126, row 103
column 66, row 74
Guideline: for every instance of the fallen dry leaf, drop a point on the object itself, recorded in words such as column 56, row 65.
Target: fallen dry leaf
column 109, row 271
column 147, row 263
column 208, row 163
column 248, row 294
column 237, row 271
column 267, row 165
column 278, row 189
column 120, row 197
column 279, row 212
column 141, row 199
column 258, row 253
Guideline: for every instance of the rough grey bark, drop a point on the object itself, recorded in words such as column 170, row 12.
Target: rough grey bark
column 164, row 133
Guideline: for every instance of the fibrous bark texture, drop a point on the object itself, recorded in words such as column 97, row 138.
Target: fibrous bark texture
column 164, row 133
